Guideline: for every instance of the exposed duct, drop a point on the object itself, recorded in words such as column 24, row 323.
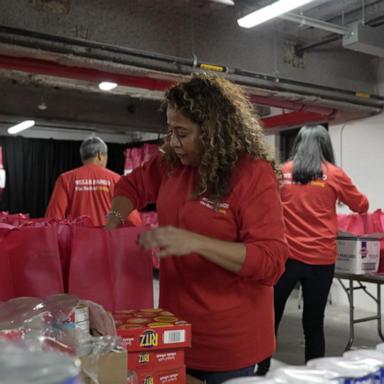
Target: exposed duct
column 356, row 36
column 67, row 49
column 72, row 58
column 363, row 38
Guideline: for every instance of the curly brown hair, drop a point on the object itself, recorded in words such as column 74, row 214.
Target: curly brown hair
column 229, row 130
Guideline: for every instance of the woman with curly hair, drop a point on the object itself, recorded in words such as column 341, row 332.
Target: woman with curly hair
column 221, row 235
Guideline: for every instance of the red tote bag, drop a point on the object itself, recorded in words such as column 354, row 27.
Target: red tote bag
column 352, row 223
column 6, row 284
column 109, row 268
column 32, row 257
column 361, row 224
column 381, row 264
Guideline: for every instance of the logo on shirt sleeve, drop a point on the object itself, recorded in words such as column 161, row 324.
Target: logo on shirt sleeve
column 221, row 207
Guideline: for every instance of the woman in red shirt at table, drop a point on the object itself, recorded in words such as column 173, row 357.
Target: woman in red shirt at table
column 312, row 186
column 221, row 234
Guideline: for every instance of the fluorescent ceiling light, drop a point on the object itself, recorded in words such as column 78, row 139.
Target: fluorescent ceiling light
column 107, row 85
column 226, row 2
column 21, row 127
column 270, row 11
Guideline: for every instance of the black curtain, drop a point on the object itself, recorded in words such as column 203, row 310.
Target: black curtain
column 33, row 165
column 287, row 139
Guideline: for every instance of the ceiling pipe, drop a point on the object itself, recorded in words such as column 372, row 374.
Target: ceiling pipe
column 315, row 23
column 88, row 49
column 312, row 91
column 293, row 119
column 292, row 105
column 58, row 70
column 86, row 74
column 67, row 45
column 375, row 22
column 303, row 113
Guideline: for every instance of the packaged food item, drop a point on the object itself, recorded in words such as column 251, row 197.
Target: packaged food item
column 22, row 366
column 70, row 315
column 156, row 360
column 251, row 380
column 371, row 357
column 303, row 375
column 171, row 376
column 152, row 329
column 348, row 371
column 78, row 322
column 380, row 347
column 357, row 254
column 155, row 341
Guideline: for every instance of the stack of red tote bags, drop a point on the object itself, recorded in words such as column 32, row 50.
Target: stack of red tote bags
column 41, row 257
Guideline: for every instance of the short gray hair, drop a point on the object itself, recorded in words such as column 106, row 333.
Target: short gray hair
column 91, row 146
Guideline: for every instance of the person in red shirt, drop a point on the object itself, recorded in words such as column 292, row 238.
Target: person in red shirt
column 221, row 234
column 312, row 186
column 87, row 190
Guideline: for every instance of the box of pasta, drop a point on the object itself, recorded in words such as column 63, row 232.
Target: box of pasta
column 156, row 360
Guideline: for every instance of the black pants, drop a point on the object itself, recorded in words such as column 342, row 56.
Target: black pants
column 219, row 377
column 316, row 282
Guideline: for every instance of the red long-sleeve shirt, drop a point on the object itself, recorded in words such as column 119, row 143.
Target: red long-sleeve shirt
column 310, row 213
column 87, row 190
column 231, row 314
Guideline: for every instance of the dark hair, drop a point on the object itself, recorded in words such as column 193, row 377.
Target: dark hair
column 229, row 130
column 311, row 148
column 91, row 146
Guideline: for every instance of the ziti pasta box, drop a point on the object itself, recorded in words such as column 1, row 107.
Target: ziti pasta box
column 158, row 360
column 152, row 329
column 171, row 376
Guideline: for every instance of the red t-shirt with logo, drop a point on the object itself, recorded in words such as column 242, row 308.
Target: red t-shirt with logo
column 87, row 190
column 310, row 213
column 231, row 314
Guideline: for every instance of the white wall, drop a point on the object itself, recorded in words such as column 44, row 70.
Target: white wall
column 380, row 90
column 270, row 140
column 359, row 150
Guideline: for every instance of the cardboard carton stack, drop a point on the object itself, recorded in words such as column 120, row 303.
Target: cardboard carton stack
column 156, row 340
column 358, row 254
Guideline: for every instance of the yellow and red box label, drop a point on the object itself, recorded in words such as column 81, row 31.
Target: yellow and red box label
column 172, row 376
column 156, row 360
column 153, row 329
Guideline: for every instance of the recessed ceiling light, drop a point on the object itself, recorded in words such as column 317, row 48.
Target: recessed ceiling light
column 42, row 106
column 226, row 2
column 107, row 85
column 21, row 127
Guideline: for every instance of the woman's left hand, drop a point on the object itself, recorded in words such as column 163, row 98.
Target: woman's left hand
column 170, row 240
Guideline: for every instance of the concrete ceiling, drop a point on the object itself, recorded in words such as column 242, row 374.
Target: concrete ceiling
column 94, row 36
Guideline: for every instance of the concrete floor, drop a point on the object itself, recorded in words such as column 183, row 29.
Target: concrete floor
column 291, row 340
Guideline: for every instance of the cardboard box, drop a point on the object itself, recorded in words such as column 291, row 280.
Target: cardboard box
column 152, row 329
column 358, row 254
column 172, row 376
column 111, row 368
column 156, row 360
